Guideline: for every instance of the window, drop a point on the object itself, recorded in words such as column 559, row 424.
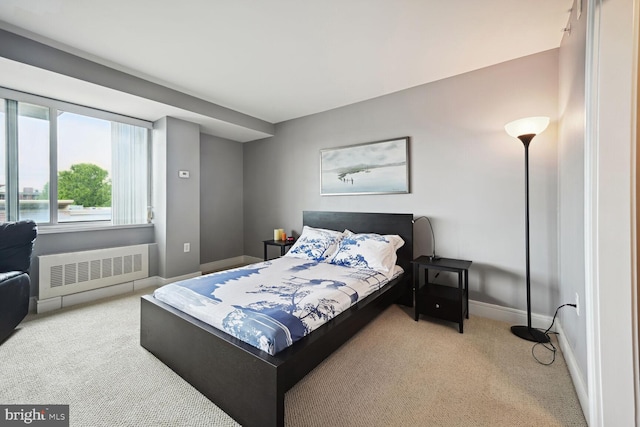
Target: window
column 84, row 168
column 33, row 161
column 61, row 163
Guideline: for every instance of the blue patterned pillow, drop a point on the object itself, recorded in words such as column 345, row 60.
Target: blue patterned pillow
column 369, row 250
column 315, row 244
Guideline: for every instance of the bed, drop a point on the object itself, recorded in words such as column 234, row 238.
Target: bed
column 247, row 383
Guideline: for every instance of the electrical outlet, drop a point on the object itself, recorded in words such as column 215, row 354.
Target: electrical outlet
column 577, row 304
column 187, row 247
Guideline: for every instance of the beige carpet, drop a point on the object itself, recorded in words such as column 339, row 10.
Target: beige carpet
column 395, row 372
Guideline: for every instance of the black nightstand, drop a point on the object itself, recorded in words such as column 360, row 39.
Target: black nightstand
column 441, row 301
column 283, row 246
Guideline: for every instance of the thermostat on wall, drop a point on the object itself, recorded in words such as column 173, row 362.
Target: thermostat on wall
column 183, row 174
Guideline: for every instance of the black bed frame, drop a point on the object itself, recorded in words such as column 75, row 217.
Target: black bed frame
column 247, row 383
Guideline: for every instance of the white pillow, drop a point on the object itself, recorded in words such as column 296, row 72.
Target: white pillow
column 368, row 250
column 316, row 244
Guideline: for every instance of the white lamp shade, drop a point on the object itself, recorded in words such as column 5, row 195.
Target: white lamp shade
column 527, row 126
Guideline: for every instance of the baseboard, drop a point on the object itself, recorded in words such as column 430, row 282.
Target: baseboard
column 222, row 264
column 505, row 314
column 251, row 260
column 149, row 282
column 519, row 317
column 49, row 304
column 574, row 370
column 56, row 303
column 96, row 294
column 161, row 281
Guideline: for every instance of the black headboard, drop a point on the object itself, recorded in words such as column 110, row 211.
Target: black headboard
column 359, row 222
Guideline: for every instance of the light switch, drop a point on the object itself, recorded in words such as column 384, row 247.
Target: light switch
column 183, row 174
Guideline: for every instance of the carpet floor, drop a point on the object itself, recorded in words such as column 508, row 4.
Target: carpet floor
column 395, row 372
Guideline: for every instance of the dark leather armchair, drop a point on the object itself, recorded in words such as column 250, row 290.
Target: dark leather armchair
column 16, row 246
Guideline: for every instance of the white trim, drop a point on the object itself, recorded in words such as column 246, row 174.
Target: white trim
column 222, row 264
column 574, row 369
column 634, row 211
column 592, row 298
column 506, row 314
column 49, row 304
column 147, row 282
column 58, row 302
column 96, row 294
column 161, row 281
column 71, row 227
column 251, row 260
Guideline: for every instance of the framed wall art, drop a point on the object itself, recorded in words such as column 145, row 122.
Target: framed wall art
column 380, row 167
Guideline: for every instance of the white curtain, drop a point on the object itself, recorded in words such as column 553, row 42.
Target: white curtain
column 129, row 174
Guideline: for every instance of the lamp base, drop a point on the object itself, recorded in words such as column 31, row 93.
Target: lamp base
column 530, row 334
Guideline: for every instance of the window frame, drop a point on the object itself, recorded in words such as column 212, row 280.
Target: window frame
column 54, row 106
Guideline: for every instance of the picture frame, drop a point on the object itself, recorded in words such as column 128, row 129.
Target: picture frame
column 379, row 167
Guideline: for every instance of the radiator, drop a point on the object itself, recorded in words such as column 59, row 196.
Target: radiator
column 69, row 273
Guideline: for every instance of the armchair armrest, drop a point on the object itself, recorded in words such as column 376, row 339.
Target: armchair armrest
column 9, row 275
column 14, row 301
column 16, row 245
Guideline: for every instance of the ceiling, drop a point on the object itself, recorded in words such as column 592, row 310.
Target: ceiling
column 274, row 60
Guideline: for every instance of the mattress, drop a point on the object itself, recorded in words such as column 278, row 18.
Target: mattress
column 272, row 304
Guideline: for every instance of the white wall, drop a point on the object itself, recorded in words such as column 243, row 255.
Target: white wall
column 467, row 174
column 571, row 182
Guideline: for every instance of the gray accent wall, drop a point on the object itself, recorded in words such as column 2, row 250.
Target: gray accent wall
column 176, row 201
column 466, row 173
column 221, row 199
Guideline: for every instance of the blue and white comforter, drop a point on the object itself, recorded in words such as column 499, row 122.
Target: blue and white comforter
column 272, row 304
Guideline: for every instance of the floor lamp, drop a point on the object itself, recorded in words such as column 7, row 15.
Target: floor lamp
column 525, row 130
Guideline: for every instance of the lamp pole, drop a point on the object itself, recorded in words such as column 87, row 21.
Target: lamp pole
column 525, row 130
column 526, row 139
column 527, row 332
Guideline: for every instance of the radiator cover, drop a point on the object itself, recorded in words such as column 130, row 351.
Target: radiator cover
column 72, row 272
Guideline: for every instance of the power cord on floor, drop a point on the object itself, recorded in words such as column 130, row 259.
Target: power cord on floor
column 549, row 346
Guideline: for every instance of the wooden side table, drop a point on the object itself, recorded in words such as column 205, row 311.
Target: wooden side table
column 441, row 301
column 282, row 243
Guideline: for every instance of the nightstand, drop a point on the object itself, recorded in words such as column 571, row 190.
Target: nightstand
column 444, row 302
column 283, row 246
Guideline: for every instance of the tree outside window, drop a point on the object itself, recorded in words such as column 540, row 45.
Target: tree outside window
column 86, row 184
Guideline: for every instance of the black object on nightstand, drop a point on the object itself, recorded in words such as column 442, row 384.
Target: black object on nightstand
column 284, row 244
column 441, row 301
